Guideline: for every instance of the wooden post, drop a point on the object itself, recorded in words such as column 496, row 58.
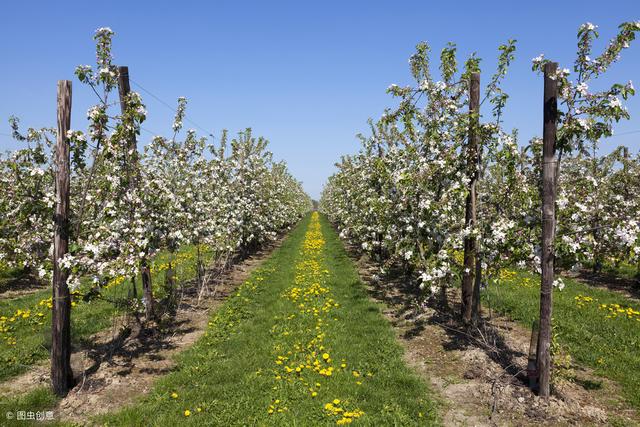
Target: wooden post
column 123, row 90
column 532, row 371
column 199, row 266
column 123, row 86
column 132, row 159
column 170, row 285
column 378, row 250
column 477, row 283
column 549, row 167
column 472, row 151
column 61, row 373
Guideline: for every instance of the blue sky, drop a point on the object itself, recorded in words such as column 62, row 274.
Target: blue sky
column 306, row 75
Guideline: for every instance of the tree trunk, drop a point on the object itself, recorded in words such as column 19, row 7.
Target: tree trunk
column 475, row 314
column 199, row 267
column 133, row 292
column 146, row 289
column 169, row 283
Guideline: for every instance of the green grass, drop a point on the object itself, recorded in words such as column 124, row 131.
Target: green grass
column 231, row 374
column 38, row 400
column 624, row 270
column 33, row 340
column 32, row 335
column 610, row 346
column 8, row 276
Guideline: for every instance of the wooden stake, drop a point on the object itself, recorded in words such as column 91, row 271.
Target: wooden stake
column 625, row 156
column 123, row 86
column 61, row 373
column 549, row 164
column 470, row 211
column 170, row 286
column 532, row 371
column 132, row 159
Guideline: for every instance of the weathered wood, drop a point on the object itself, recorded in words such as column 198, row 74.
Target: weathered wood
column 477, row 283
column 124, row 88
column 549, row 167
column 170, row 286
column 149, row 306
column 472, row 151
column 61, row 373
column 532, row 371
column 131, row 158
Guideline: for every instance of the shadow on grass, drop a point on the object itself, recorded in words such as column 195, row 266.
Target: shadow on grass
column 17, row 282
column 588, row 384
column 609, row 281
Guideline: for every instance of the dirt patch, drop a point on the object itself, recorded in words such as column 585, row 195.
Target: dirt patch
column 480, row 373
column 122, row 363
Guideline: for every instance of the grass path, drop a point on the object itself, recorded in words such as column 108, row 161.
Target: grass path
column 299, row 343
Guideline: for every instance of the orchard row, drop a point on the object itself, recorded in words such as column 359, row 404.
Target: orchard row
column 113, row 207
column 454, row 197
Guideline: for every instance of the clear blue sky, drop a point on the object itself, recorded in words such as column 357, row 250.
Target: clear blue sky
column 305, row 75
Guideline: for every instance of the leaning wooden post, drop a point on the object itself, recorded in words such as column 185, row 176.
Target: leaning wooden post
column 549, row 164
column 472, row 152
column 61, row 373
column 132, row 159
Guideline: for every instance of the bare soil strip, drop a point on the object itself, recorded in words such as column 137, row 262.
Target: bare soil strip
column 480, row 374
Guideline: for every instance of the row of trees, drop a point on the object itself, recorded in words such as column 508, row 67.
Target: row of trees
column 126, row 205
column 455, row 198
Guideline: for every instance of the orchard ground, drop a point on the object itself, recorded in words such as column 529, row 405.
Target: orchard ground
column 25, row 321
column 598, row 328
column 302, row 342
